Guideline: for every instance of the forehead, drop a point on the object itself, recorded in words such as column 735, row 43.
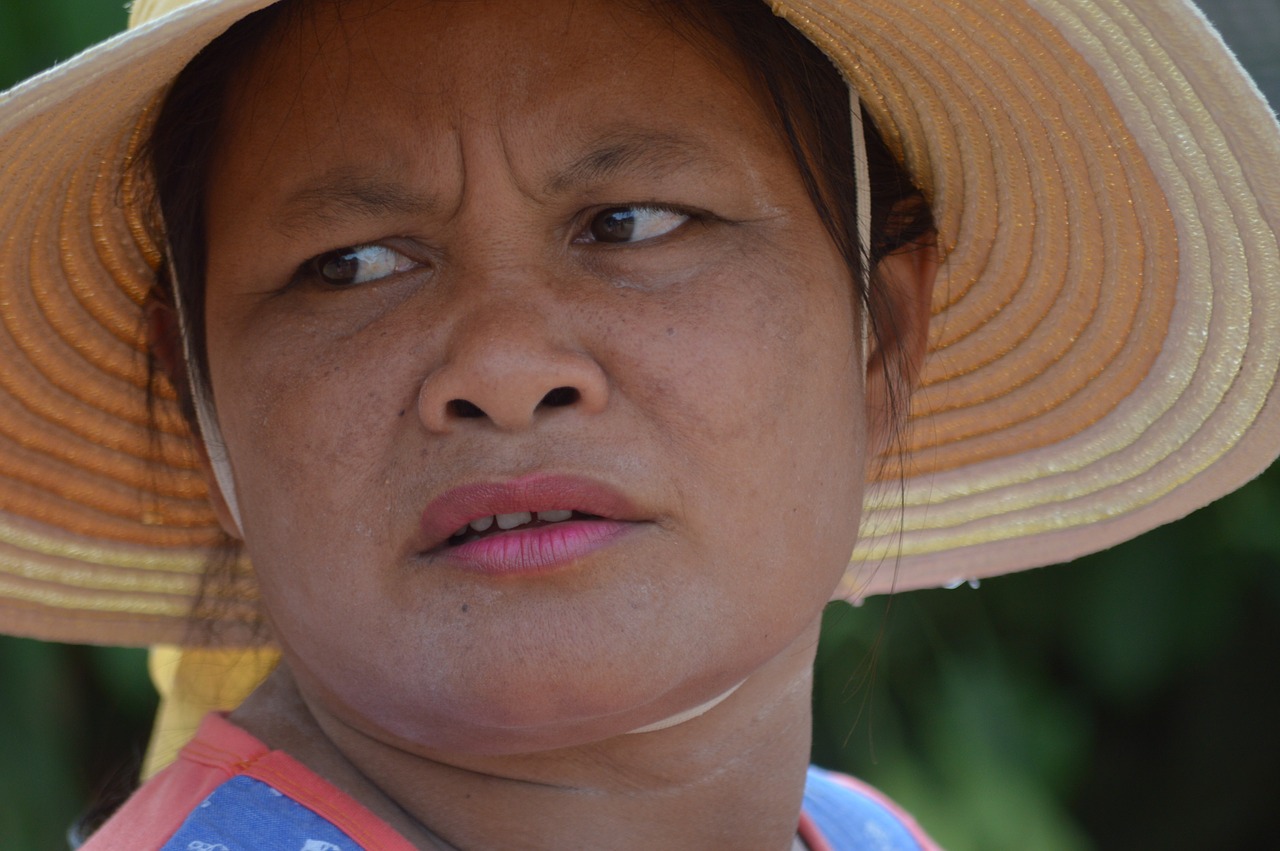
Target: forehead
column 404, row 76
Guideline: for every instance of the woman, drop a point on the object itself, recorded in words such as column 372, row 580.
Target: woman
column 539, row 356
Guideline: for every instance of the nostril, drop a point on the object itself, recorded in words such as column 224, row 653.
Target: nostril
column 560, row 397
column 463, row 409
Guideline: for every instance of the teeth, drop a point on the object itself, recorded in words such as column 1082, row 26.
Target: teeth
column 511, row 521
column 554, row 516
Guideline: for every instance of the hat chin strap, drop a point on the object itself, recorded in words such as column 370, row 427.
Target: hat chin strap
column 862, row 213
column 217, row 451
column 206, row 417
column 687, row 715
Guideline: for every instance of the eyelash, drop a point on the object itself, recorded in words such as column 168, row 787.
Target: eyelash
column 313, row 269
column 589, row 237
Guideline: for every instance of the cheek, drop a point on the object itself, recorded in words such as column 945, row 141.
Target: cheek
column 309, row 425
column 755, row 385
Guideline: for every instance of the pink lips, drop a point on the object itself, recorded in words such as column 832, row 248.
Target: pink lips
column 526, row 549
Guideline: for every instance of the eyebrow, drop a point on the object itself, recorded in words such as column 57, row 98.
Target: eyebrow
column 643, row 153
column 344, row 195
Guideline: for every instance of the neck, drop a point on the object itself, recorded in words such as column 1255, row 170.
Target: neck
column 731, row 777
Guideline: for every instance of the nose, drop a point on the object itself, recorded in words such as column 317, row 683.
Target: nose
column 507, row 368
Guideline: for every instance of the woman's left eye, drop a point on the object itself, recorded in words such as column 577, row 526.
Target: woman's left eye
column 360, row 264
column 632, row 223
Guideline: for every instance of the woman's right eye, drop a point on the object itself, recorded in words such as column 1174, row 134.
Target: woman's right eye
column 360, row 264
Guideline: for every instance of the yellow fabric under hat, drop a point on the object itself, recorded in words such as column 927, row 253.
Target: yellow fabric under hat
column 193, row 682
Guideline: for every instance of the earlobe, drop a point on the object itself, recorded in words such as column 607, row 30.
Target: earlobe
column 899, row 335
column 164, row 339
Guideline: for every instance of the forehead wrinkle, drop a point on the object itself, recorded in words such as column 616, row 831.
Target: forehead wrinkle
column 344, row 196
column 643, row 153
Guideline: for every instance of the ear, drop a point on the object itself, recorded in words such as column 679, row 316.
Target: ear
column 899, row 335
column 164, row 339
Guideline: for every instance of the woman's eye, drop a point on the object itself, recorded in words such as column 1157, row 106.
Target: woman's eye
column 635, row 223
column 360, row 264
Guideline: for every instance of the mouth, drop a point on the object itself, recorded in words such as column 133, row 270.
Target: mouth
column 496, row 524
column 525, row 525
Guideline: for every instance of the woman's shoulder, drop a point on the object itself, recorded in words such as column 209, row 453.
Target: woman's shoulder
column 228, row 790
column 842, row 813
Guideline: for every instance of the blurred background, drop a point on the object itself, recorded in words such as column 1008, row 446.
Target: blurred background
column 1129, row 700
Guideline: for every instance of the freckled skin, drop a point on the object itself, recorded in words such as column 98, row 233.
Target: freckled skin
column 720, row 385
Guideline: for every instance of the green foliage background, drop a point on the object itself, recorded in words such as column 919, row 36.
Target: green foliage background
column 1127, row 701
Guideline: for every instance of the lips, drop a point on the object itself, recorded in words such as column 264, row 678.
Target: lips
column 522, row 525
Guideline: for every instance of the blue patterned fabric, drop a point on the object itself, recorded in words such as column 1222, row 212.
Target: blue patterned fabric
column 851, row 821
column 244, row 814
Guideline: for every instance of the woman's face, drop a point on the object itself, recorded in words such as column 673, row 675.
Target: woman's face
column 485, row 258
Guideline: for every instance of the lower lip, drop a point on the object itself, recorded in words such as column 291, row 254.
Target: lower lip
column 539, row 549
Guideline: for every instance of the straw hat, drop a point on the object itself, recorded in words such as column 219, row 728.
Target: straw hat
column 1105, row 340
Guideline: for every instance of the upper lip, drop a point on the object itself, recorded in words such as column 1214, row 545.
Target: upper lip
column 455, row 508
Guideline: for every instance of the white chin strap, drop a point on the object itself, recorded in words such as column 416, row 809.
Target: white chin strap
column 862, row 210
column 206, row 416
column 687, row 715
